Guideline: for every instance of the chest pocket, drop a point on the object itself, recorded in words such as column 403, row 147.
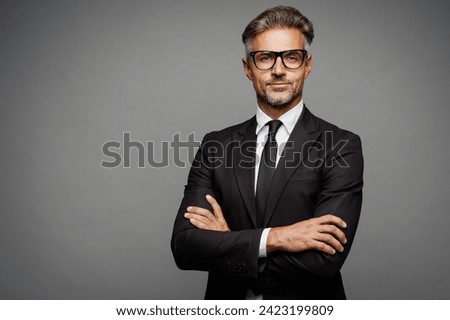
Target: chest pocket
column 302, row 175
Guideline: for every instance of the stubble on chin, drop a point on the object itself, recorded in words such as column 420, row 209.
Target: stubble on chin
column 277, row 99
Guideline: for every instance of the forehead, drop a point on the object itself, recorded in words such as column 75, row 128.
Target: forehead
column 278, row 40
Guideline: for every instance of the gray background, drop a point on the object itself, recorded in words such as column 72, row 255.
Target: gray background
column 75, row 74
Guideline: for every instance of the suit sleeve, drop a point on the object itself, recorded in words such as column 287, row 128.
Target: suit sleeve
column 341, row 195
column 232, row 253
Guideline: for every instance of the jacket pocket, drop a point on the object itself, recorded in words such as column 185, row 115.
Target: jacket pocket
column 308, row 175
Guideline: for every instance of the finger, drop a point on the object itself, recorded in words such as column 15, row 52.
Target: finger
column 330, row 240
column 216, row 208
column 322, row 246
column 200, row 211
column 198, row 217
column 334, row 231
column 332, row 219
column 199, row 224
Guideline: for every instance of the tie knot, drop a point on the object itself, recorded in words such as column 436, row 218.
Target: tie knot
column 274, row 125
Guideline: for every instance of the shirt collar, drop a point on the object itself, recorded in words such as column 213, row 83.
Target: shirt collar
column 289, row 119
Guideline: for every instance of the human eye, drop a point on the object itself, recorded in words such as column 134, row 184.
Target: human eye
column 265, row 57
column 292, row 56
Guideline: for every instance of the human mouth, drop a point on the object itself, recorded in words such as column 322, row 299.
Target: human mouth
column 278, row 84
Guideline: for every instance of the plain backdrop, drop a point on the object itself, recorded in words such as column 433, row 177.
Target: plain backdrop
column 76, row 74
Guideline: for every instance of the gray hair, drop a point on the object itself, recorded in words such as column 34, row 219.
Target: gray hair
column 278, row 17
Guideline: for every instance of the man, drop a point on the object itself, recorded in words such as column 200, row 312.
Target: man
column 271, row 207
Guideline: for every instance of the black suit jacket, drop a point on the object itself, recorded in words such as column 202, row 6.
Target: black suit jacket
column 319, row 172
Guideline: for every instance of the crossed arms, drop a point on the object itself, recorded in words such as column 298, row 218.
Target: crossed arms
column 323, row 233
column 202, row 239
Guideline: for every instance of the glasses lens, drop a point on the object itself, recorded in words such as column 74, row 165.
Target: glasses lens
column 264, row 60
column 293, row 59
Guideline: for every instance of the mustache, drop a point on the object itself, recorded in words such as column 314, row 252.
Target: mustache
column 276, row 80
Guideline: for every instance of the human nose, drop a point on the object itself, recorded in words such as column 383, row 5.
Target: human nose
column 278, row 68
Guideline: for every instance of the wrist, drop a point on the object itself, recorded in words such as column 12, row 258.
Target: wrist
column 274, row 242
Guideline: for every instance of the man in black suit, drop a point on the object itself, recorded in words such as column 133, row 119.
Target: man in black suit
column 272, row 204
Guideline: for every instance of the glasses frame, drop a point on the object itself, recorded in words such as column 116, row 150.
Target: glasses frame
column 279, row 54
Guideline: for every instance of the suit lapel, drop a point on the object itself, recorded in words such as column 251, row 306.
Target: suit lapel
column 244, row 165
column 304, row 133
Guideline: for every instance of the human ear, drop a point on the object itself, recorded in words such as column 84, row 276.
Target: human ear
column 247, row 69
column 308, row 65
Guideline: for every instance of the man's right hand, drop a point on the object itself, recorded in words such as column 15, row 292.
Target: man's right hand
column 323, row 233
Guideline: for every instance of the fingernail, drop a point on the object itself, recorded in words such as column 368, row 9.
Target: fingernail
column 189, row 208
column 345, row 241
column 208, row 196
column 341, row 249
column 345, row 225
column 186, row 215
column 333, row 252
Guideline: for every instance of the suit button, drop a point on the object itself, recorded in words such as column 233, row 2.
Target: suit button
column 264, row 279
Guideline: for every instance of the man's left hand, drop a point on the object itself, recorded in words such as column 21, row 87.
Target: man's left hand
column 204, row 219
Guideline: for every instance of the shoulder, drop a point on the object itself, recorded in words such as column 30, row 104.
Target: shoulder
column 342, row 148
column 330, row 129
column 227, row 133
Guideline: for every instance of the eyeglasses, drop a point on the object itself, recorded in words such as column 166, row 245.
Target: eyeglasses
column 265, row 60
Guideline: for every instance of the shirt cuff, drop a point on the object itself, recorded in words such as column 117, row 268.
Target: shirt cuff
column 263, row 243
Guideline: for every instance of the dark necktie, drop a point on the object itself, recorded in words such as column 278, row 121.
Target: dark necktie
column 266, row 170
